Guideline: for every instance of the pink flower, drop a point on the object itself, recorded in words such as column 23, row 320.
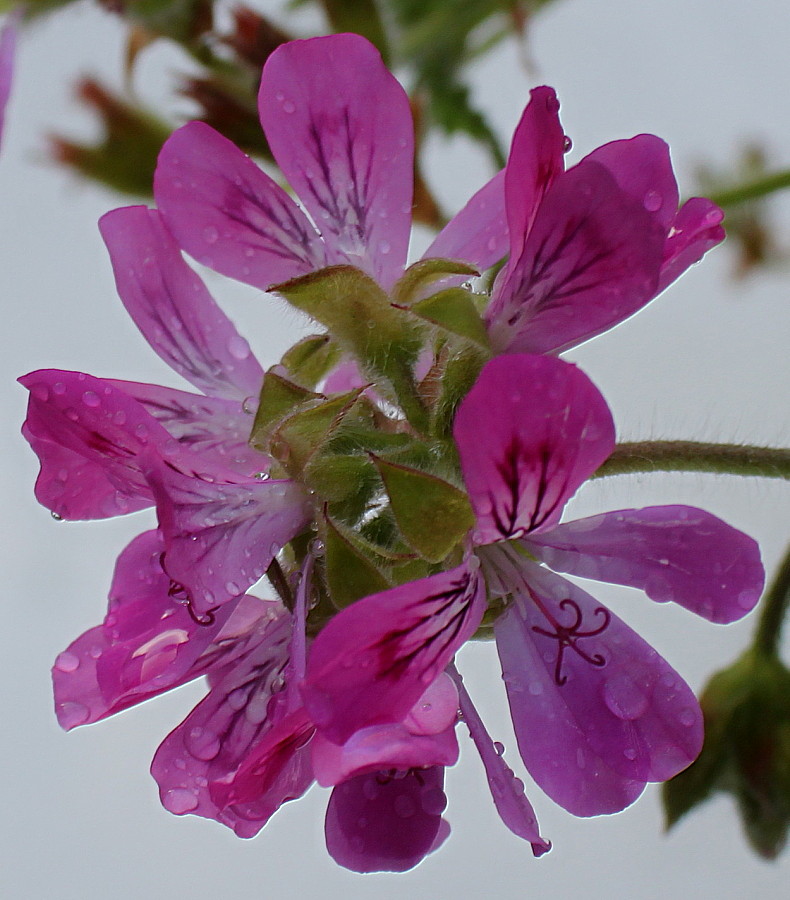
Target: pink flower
column 597, row 712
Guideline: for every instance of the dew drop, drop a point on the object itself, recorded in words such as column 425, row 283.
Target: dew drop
column 567, row 144
column 499, row 748
column 210, row 234
column 687, row 717
column 629, row 753
column 59, row 388
column 67, row 662
column 624, row 698
column 202, row 743
column 249, row 405
column 238, row 347
column 56, row 516
column 652, row 201
column 179, row 801
column 535, row 688
column 91, row 399
column 552, row 104
column 384, row 247
column 71, row 714
column 289, row 107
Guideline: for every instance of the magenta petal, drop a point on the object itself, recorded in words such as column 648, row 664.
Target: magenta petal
column 530, row 431
column 173, row 309
column 591, row 260
column 535, row 161
column 221, row 534
column 217, row 736
column 597, row 712
column 216, row 429
column 671, row 552
column 511, row 802
column 385, row 823
column 478, row 234
column 147, row 644
column 340, row 128
column 642, row 168
column 696, row 229
column 8, row 35
column 228, row 214
column 374, row 660
column 90, row 437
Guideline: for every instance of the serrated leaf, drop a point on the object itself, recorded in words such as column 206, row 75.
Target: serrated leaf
column 432, row 515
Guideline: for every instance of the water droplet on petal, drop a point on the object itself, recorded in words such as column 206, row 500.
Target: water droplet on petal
column 238, row 347
column 202, row 743
column 210, row 234
column 499, row 748
column 56, row 516
column 71, row 714
column 179, row 801
column 91, row 399
column 67, row 662
column 624, row 698
column 652, row 201
column 567, row 144
column 384, row 247
column 289, row 107
column 629, row 753
column 687, row 717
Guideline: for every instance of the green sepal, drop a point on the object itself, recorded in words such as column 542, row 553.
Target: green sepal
column 453, row 310
column 279, row 398
column 350, row 575
column 337, row 477
column 384, row 340
column 298, row 437
column 432, row 515
column 310, row 359
column 423, row 274
column 461, row 370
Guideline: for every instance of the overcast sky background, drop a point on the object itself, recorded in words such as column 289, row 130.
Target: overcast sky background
column 708, row 360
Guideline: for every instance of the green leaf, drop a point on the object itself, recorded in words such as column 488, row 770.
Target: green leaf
column 454, row 311
column 349, row 574
column 423, row 274
column 432, row 515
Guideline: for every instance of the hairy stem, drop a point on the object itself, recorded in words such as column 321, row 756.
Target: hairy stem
column 752, row 189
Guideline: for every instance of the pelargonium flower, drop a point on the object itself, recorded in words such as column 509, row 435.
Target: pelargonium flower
column 586, row 248
column 597, row 712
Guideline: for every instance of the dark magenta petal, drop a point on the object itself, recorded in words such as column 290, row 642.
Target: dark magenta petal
column 673, row 553
column 228, row 214
column 216, row 737
column 340, row 128
column 385, row 823
column 535, row 161
column 147, row 644
column 374, row 659
column 90, row 438
column 221, row 533
column 507, row 791
column 597, row 712
column 478, row 234
column 591, row 260
column 696, row 229
column 173, row 309
column 530, row 431
column 642, row 168
column 213, row 428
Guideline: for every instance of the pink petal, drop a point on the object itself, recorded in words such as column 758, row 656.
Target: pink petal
column 228, row 214
column 507, row 791
column 426, row 737
column 671, row 552
column 221, row 533
column 597, row 712
column 478, row 234
column 642, row 168
column 216, row 429
column 340, row 128
column 530, row 431
column 218, row 734
column 8, row 35
column 696, row 229
column 535, row 161
column 374, row 660
column 591, row 260
column 386, row 823
column 147, row 644
column 173, row 309
column 90, row 438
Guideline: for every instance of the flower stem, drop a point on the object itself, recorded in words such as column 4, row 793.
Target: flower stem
column 752, row 189
column 693, row 456
column 773, row 609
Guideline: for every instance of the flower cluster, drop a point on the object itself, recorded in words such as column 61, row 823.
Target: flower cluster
column 400, row 476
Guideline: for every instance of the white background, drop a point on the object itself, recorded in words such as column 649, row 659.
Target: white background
column 708, row 360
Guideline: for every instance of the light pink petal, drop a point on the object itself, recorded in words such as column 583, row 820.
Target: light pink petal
column 597, row 712
column 535, row 161
column 218, row 734
column 386, row 822
column 696, row 229
column 507, row 791
column 671, row 552
column 426, row 737
column 228, row 214
column 591, row 260
column 8, row 35
column 216, row 429
column 530, row 431
column 478, row 234
column 90, row 438
column 221, row 534
column 340, row 128
column 173, row 309
column 374, row 659
column 642, row 168
column 147, row 644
